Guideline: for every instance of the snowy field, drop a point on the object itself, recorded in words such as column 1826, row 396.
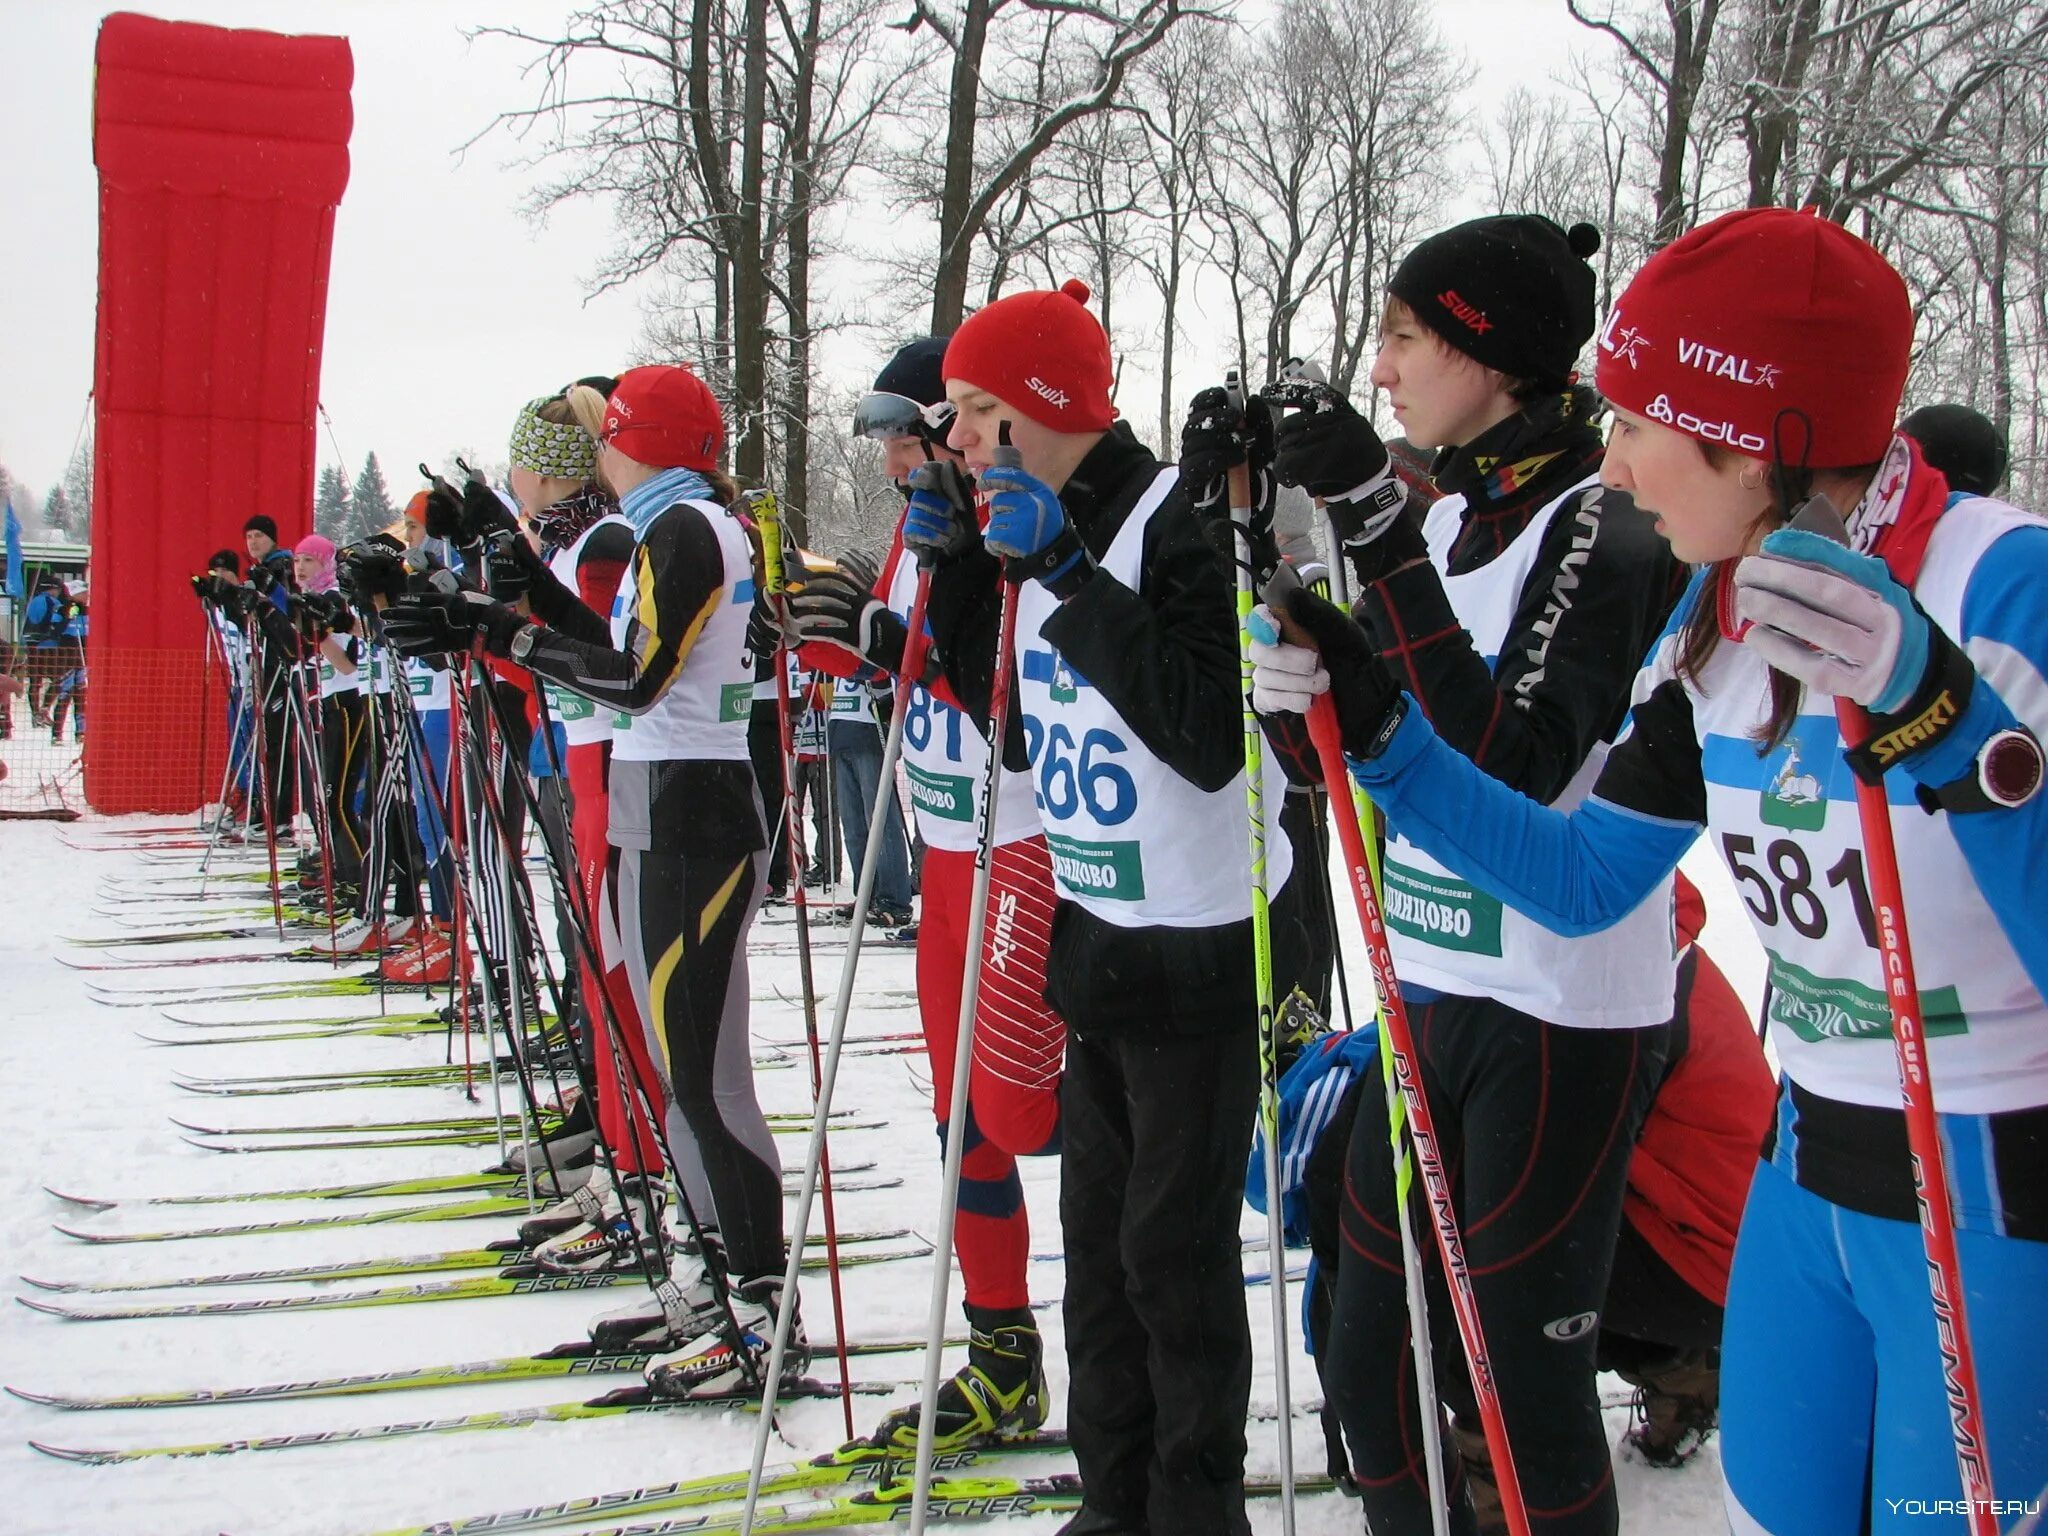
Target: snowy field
column 93, row 1103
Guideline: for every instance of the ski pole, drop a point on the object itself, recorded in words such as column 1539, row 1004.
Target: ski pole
column 999, row 703
column 842, row 1010
column 1362, row 849
column 1240, row 488
column 1323, row 730
column 1931, row 1188
column 768, row 516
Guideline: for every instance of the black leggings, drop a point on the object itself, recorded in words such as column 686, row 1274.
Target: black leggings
column 344, row 759
column 1536, row 1124
column 683, row 921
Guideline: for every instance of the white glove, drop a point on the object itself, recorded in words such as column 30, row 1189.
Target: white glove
column 1834, row 619
column 1285, row 678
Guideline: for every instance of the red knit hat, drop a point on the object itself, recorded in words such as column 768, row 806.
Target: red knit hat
column 666, row 418
column 1755, row 320
column 1041, row 352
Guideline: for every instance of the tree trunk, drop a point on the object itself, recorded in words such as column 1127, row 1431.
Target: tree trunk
column 796, row 432
column 1783, row 53
column 956, row 197
column 750, row 287
column 1171, row 294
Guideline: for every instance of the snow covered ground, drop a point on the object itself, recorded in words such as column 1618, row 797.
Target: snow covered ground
column 93, row 1102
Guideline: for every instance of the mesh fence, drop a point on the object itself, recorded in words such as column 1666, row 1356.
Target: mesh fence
column 136, row 730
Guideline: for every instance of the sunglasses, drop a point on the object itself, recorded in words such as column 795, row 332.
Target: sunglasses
column 886, row 416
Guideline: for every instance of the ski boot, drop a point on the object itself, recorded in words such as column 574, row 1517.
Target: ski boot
column 1677, row 1405
column 998, row 1395
column 621, row 1236
column 710, row 1366
column 597, row 1203
column 668, row 1317
column 1299, row 1026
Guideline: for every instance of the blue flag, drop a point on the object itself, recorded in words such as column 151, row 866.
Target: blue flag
column 15, row 587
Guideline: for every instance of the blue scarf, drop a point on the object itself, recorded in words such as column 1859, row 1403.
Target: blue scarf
column 648, row 499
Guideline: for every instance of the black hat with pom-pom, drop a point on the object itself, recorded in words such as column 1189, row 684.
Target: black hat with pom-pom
column 1513, row 292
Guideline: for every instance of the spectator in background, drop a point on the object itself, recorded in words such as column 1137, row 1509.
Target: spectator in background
column 70, row 670
column 854, row 738
column 42, row 638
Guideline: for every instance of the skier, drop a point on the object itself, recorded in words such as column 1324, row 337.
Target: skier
column 686, row 829
column 343, row 748
column 430, row 956
column 1753, row 364
column 585, row 545
column 1517, row 614
column 1012, row 1097
column 1130, row 720
column 223, row 572
column 1660, row 1320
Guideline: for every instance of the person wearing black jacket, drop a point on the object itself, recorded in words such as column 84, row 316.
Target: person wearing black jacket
column 1516, row 614
column 1129, row 716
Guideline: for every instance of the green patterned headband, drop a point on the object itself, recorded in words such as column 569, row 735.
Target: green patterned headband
column 559, row 450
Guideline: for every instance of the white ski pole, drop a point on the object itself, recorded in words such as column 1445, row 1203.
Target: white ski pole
column 963, row 1048
column 1240, row 483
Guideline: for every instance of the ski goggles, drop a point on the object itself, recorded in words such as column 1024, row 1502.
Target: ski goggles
column 884, row 416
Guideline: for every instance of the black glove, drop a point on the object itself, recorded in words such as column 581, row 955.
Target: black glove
column 763, row 634
column 444, row 511
column 510, row 565
column 203, row 588
column 1215, row 439
column 263, row 576
column 436, row 623
column 1368, row 702
column 483, row 514
column 939, row 521
column 1332, row 452
column 368, row 572
column 235, row 599
column 840, row 608
column 341, row 619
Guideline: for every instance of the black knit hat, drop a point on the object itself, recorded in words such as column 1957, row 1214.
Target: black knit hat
column 1965, row 445
column 1513, row 292
column 263, row 524
column 915, row 372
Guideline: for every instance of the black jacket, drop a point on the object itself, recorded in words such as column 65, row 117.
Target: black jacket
column 1165, row 657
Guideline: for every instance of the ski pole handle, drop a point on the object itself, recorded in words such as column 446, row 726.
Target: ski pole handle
column 767, row 515
column 1006, row 454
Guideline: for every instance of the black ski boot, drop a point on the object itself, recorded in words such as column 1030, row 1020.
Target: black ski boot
column 998, row 1394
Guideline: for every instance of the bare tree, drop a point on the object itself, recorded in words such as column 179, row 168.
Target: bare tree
column 1111, row 34
column 1392, row 111
column 717, row 130
column 1172, row 98
column 1667, row 45
column 1540, row 159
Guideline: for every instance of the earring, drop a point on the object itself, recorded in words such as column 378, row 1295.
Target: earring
column 1748, row 484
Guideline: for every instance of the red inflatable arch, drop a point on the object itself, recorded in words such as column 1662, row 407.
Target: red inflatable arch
column 222, row 155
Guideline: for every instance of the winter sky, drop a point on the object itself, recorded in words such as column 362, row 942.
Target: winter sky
column 447, row 306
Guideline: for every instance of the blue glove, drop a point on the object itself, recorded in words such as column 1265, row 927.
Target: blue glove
column 1834, row 619
column 1028, row 527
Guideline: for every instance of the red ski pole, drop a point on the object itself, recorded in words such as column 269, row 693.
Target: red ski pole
column 1324, row 732
column 1923, row 1137
column 1923, row 1133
